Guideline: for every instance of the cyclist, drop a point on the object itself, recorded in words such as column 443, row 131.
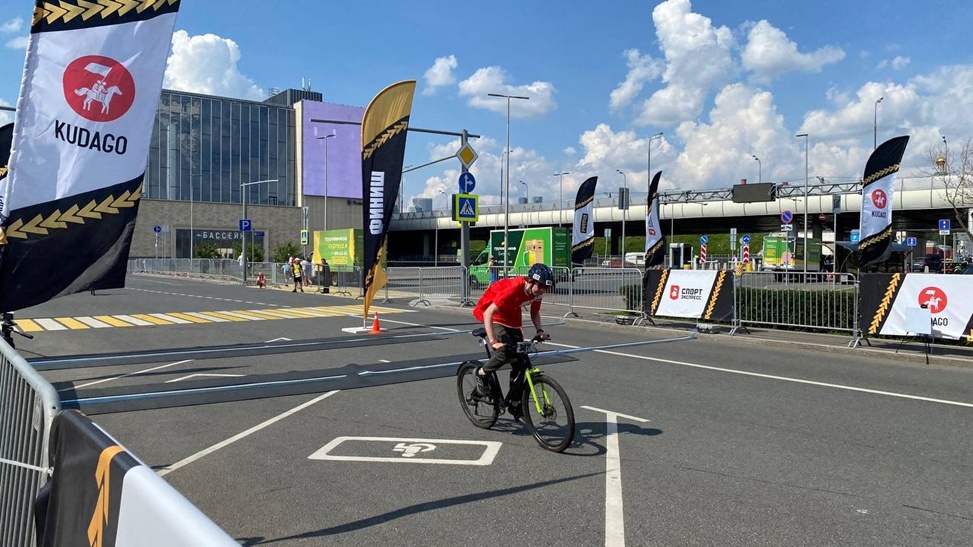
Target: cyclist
column 500, row 311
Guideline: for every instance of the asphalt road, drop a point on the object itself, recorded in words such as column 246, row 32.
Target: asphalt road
column 715, row 441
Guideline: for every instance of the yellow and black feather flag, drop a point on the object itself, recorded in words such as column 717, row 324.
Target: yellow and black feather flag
column 655, row 244
column 583, row 236
column 383, row 132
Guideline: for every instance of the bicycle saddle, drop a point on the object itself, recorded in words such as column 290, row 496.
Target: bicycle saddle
column 481, row 332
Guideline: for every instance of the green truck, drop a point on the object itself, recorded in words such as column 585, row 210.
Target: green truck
column 527, row 246
column 781, row 253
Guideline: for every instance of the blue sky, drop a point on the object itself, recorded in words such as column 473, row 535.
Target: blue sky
column 722, row 80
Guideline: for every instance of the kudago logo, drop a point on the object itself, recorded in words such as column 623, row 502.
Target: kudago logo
column 98, row 88
column 880, row 200
column 933, row 298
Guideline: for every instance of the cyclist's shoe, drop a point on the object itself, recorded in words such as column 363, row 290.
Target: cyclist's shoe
column 482, row 383
column 516, row 413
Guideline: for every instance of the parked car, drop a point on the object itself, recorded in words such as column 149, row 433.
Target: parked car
column 933, row 261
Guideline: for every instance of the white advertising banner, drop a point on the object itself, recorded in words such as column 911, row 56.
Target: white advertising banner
column 946, row 297
column 686, row 293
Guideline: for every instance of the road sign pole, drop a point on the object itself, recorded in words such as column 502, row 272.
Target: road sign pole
column 464, row 245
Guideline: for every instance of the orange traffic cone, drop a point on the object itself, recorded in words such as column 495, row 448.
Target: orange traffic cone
column 375, row 328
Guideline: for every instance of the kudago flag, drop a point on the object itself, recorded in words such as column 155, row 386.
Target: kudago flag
column 655, row 244
column 383, row 131
column 583, row 236
column 877, row 188
column 84, row 118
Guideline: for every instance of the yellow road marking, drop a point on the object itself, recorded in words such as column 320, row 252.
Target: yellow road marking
column 226, row 316
column 71, row 323
column 187, row 317
column 27, row 325
column 151, row 319
column 112, row 321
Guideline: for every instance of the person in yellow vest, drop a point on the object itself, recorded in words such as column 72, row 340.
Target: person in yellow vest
column 296, row 265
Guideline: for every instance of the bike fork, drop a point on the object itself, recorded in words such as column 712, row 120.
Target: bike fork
column 533, row 391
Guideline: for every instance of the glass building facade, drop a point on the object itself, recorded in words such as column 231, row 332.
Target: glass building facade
column 203, row 148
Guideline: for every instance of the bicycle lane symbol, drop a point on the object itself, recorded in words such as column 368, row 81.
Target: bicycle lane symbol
column 398, row 450
column 614, row 515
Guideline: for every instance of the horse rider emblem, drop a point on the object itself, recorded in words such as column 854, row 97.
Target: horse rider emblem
column 98, row 88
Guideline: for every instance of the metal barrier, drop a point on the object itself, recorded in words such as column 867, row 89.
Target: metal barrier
column 601, row 290
column 28, row 404
column 426, row 285
column 809, row 300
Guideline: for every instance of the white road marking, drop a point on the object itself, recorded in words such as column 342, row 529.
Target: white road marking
column 172, row 318
column 785, row 378
column 222, row 444
column 92, row 322
column 212, row 318
column 50, row 324
column 614, row 512
column 134, row 321
column 160, row 367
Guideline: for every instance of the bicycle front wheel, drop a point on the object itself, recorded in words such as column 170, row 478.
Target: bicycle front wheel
column 481, row 411
column 549, row 417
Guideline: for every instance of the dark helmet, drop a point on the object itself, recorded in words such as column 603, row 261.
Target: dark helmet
column 541, row 274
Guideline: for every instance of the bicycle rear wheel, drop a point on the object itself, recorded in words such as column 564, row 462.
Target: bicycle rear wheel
column 553, row 424
column 480, row 410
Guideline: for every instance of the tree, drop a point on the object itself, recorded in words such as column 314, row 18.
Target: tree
column 954, row 174
column 287, row 250
column 255, row 253
column 206, row 250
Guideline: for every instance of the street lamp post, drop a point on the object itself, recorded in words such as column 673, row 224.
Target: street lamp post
column 623, row 202
column 243, row 238
column 649, row 166
column 805, row 200
column 506, row 183
column 760, row 174
column 560, row 196
column 526, row 191
column 875, row 125
column 325, row 139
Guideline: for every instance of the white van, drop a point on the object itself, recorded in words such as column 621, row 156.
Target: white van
column 638, row 259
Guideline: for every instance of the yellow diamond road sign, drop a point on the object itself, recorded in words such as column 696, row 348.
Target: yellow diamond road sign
column 467, row 155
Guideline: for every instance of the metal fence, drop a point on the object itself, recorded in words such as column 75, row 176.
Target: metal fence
column 28, row 404
column 795, row 299
column 809, row 300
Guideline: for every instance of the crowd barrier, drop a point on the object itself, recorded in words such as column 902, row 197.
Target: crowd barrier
column 812, row 300
column 28, row 405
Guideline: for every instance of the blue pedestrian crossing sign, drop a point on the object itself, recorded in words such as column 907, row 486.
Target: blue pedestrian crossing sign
column 466, row 182
column 304, row 237
column 466, row 207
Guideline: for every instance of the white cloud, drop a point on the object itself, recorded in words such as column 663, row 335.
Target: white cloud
column 491, row 80
column 19, row 42
column 12, row 25
column 769, row 53
column 698, row 59
column 900, row 62
column 208, row 64
column 641, row 69
column 440, row 74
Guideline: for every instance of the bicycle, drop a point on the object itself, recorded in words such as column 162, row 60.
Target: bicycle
column 8, row 327
column 547, row 411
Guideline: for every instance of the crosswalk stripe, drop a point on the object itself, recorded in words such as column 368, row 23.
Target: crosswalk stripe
column 189, row 318
column 50, row 324
column 225, row 315
column 211, row 318
column 171, row 319
column 134, row 321
column 71, row 323
column 151, row 319
column 113, row 321
column 261, row 313
column 284, row 314
column 92, row 322
column 319, row 312
column 28, row 325
column 243, row 316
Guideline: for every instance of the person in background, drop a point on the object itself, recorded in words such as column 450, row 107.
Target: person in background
column 306, row 271
column 298, row 275
column 261, row 280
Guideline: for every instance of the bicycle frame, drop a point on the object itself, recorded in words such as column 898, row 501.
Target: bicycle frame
column 529, row 371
